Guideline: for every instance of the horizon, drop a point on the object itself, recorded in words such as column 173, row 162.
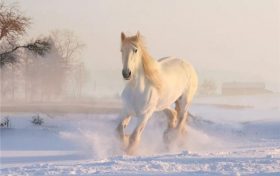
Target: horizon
column 241, row 42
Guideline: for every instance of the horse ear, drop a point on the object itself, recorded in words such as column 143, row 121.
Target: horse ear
column 138, row 35
column 122, row 36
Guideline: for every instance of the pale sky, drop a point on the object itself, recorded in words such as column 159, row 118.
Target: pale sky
column 226, row 40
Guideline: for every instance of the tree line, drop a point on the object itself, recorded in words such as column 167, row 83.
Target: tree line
column 46, row 68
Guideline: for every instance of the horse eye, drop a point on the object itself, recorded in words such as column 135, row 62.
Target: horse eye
column 135, row 50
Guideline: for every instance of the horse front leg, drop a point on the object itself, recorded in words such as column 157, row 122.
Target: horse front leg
column 135, row 137
column 120, row 129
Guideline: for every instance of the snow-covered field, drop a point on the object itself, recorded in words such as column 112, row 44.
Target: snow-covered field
column 227, row 136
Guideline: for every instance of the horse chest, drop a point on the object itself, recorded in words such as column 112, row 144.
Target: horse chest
column 137, row 101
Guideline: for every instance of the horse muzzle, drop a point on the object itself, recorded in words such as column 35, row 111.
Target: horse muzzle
column 126, row 74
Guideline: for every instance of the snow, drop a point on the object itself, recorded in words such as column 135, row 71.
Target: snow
column 226, row 136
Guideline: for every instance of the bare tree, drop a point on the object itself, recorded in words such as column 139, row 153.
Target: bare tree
column 67, row 44
column 12, row 21
column 69, row 48
column 13, row 24
column 39, row 47
column 47, row 66
column 79, row 77
column 59, row 72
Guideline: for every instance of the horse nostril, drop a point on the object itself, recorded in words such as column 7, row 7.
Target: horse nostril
column 126, row 73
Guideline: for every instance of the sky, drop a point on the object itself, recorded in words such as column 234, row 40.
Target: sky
column 225, row 40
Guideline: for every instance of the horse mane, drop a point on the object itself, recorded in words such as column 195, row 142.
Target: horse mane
column 150, row 65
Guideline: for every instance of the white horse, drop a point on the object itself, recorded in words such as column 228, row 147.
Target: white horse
column 153, row 86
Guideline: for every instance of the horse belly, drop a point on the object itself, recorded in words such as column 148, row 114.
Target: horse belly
column 172, row 90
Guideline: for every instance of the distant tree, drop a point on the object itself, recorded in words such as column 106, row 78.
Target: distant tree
column 57, row 73
column 44, row 65
column 69, row 47
column 79, row 79
column 208, row 87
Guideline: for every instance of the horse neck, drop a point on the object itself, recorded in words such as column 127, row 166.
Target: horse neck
column 147, row 73
column 140, row 80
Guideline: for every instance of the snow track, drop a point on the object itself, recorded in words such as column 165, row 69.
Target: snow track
column 220, row 141
column 223, row 163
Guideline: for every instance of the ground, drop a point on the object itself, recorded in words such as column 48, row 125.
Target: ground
column 226, row 136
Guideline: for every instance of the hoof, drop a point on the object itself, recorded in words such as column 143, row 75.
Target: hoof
column 183, row 132
column 125, row 141
column 131, row 150
column 174, row 136
column 170, row 135
column 132, row 146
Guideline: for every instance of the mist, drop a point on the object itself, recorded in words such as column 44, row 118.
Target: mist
column 226, row 41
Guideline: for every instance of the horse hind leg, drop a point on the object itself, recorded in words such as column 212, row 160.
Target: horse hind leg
column 175, row 134
column 182, row 107
column 183, row 104
column 172, row 123
column 172, row 117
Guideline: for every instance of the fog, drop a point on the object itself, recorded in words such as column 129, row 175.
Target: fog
column 225, row 40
